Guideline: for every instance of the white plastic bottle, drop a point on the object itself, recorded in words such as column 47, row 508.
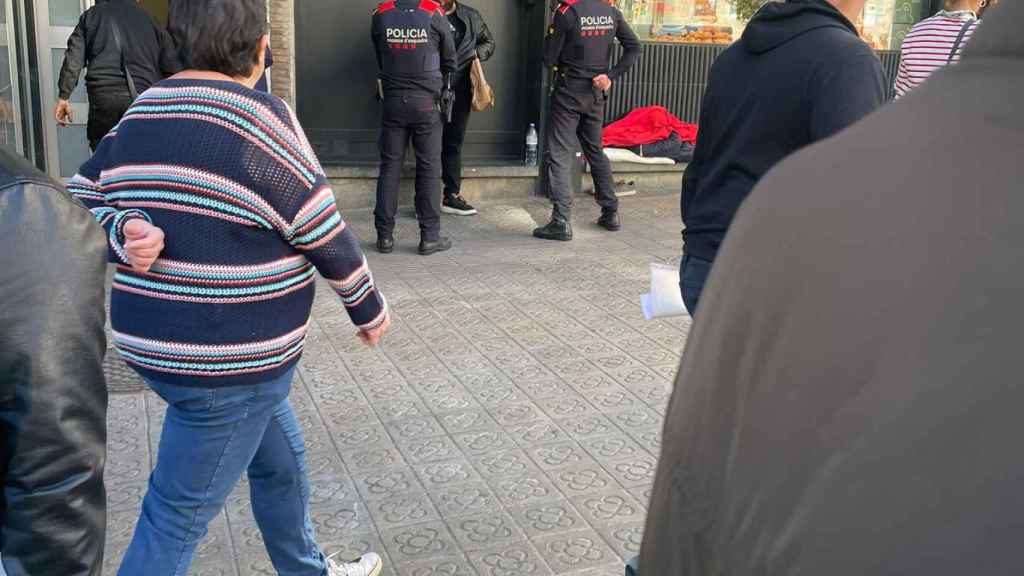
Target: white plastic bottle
column 532, row 141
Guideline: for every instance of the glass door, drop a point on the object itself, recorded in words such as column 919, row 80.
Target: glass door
column 10, row 112
column 67, row 148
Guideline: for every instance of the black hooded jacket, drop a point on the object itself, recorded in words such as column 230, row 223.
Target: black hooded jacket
column 799, row 74
column 148, row 50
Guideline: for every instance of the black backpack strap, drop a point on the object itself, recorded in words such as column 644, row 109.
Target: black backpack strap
column 116, row 30
column 959, row 40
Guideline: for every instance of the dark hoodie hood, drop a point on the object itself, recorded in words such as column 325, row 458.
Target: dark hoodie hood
column 776, row 23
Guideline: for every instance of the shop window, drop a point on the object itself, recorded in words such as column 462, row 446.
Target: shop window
column 883, row 24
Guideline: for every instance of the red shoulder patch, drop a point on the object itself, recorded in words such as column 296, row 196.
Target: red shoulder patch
column 385, row 7
column 431, row 6
column 565, row 5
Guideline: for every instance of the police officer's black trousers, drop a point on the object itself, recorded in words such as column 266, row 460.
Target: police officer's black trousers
column 577, row 114
column 412, row 117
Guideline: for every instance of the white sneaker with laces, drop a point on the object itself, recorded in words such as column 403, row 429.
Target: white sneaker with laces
column 368, row 564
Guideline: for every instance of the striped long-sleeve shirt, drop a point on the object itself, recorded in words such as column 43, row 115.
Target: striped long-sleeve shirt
column 248, row 214
column 930, row 45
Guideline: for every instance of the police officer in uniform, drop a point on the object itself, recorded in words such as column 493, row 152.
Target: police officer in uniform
column 578, row 49
column 416, row 56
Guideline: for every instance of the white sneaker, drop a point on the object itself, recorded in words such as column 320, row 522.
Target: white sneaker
column 368, row 564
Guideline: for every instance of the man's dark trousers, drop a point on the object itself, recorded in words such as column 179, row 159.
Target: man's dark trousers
column 105, row 111
column 454, row 136
column 577, row 114
column 410, row 116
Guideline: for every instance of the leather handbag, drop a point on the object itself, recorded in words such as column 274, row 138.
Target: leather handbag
column 483, row 95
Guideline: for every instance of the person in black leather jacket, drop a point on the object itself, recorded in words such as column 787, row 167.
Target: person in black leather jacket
column 472, row 40
column 146, row 50
column 53, row 396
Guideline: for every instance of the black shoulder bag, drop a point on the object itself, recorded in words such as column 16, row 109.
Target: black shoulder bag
column 124, row 65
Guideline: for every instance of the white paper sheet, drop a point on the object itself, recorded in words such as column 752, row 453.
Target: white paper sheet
column 665, row 299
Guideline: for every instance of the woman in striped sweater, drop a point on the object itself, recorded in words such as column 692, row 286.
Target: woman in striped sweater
column 214, row 316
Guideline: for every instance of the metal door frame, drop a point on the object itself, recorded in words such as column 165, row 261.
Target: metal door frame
column 9, row 37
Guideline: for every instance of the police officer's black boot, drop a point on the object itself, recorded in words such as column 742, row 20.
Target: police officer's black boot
column 428, row 247
column 610, row 220
column 558, row 228
column 385, row 243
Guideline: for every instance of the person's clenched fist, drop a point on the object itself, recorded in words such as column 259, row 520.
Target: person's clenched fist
column 143, row 243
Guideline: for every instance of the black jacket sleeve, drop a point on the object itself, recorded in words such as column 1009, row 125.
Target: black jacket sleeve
column 448, row 55
column 630, row 44
column 695, row 169
column 844, row 93
column 53, row 399
column 74, row 59
column 484, row 41
column 562, row 24
column 376, row 35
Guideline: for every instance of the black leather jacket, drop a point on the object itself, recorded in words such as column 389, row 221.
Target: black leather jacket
column 478, row 43
column 53, row 397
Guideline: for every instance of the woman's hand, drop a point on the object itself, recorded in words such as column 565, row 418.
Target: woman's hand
column 372, row 336
column 143, row 243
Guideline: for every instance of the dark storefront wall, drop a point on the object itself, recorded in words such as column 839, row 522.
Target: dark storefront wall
column 336, row 76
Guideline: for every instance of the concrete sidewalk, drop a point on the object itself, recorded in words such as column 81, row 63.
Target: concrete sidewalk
column 508, row 427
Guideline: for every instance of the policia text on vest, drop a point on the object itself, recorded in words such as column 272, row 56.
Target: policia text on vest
column 577, row 49
column 416, row 57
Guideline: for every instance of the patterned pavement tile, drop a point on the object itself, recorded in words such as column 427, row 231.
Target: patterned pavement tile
column 381, row 483
column 444, row 566
column 588, row 426
column 546, row 517
column 523, row 487
column 439, row 475
column 432, row 449
column 573, row 551
column 419, row 542
column 403, row 510
column 338, row 520
column 460, row 421
column 624, row 538
column 485, row 530
column 520, row 559
column 581, row 479
column 534, row 433
column 464, row 499
column 608, row 507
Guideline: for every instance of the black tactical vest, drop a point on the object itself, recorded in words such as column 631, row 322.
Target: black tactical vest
column 408, row 48
column 589, row 47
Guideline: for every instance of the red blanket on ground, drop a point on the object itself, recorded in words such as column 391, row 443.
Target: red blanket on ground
column 647, row 126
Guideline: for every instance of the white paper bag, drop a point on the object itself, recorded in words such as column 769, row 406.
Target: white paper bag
column 665, row 299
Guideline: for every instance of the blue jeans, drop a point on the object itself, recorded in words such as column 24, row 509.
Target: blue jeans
column 210, row 437
column 693, row 274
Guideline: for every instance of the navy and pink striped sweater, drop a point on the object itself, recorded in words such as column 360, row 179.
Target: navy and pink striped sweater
column 248, row 214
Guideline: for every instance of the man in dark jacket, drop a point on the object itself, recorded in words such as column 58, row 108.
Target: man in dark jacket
column 799, row 74
column 472, row 40
column 849, row 403
column 53, row 397
column 146, row 51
